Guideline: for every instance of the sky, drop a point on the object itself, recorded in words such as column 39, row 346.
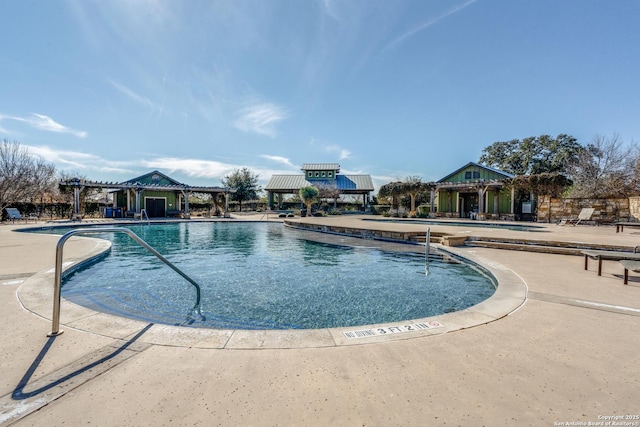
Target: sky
column 111, row 90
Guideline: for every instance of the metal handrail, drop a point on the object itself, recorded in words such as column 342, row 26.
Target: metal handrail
column 55, row 321
column 143, row 212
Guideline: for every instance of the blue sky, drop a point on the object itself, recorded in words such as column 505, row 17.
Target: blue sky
column 196, row 89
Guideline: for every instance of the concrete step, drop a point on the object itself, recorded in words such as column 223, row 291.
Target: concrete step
column 524, row 247
column 551, row 247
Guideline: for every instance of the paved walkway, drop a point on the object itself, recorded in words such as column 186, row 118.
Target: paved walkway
column 570, row 353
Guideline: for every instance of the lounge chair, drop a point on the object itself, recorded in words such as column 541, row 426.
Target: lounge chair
column 14, row 214
column 584, row 215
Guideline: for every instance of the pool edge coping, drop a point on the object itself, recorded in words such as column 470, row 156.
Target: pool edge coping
column 35, row 296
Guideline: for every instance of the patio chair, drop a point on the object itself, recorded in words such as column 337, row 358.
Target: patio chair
column 14, row 214
column 584, row 215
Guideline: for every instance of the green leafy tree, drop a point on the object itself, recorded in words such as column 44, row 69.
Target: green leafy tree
column 413, row 186
column 245, row 183
column 309, row 195
column 542, row 185
column 533, row 155
column 392, row 191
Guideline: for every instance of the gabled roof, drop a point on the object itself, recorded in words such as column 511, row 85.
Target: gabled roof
column 503, row 174
column 320, row 167
column 155, row 178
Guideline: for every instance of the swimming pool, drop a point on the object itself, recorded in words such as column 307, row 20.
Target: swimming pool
column 266, row 276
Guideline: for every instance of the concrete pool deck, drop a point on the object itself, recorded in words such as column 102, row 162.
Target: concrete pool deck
column 570, row 353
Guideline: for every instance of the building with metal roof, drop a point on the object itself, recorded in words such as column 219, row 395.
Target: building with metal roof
column 321, row 176
column 154, row 192
column 475, row 190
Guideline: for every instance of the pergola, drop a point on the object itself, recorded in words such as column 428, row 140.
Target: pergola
column 138, row 189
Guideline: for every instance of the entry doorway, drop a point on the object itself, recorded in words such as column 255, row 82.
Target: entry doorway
column 468, row 205
column 156, row 207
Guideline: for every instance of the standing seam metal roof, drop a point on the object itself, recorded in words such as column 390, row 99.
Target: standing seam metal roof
column 342, row 182
column 320, row 166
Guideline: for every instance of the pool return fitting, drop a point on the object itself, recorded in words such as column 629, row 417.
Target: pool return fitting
column 55, row 320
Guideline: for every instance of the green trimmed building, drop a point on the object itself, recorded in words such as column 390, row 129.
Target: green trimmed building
column 475, row 191
column 155, row 193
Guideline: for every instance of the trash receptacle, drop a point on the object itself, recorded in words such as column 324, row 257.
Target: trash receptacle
column 108, row 212
column 117, row 212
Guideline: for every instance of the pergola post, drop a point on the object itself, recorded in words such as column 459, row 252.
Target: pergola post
column 185, row 191
column 432, row 202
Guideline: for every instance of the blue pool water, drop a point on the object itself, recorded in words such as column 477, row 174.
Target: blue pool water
column 267, row 276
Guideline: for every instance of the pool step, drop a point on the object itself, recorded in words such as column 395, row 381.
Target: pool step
column 550, row 247
column 421, row 238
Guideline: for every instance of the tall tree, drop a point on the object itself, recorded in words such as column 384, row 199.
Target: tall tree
column 245, row 183
column 22, row 175
column 533, row 155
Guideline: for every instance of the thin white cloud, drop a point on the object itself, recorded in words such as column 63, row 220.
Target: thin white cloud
column 192, row 167
column 278, row 159
column 63, row 158
column 46, row 123
column 134, row 96
column 428, row 24
column 329, row 8
column 260, row 118
column 343, row 153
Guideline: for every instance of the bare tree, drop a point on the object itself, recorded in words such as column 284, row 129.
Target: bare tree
column 23, row 176
column 605, row 168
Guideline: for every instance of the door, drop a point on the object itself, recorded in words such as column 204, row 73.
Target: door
column 155, row 207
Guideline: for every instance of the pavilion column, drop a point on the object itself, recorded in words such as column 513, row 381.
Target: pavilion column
column 496, row 204
column 432, row 202
column 270, row 200
column 226, row 205
column 76, row 200
column 186, row 203
column 513, row 200
column 138, row 192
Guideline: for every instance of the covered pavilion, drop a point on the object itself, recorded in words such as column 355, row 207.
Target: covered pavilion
column 154, row 193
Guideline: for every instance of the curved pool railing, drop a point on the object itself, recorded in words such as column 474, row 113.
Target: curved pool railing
column 55, row 321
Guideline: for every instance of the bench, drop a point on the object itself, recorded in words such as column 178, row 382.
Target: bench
column 620, row 225
column 629, row 265
column 607, row 255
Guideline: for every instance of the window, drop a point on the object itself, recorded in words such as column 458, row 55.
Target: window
column 467, row 175
column 330, row 174
column 317, row 174
column 309, row 174
column 476, row 174
column 472, row 174
column 324, row 174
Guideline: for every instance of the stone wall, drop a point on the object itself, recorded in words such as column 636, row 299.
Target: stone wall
column 606, row 210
